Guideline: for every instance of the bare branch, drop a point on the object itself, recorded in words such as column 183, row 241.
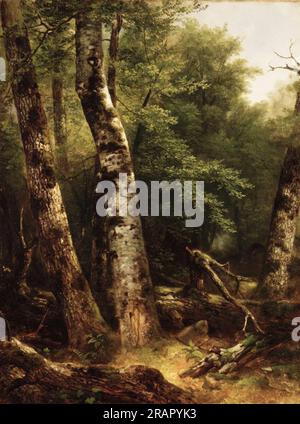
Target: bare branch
column 287, row 67
column 290, row 57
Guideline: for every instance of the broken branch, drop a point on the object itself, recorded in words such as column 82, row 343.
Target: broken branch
column 203, row 261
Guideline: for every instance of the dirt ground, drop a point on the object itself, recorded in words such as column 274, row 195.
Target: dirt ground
column 275, row 379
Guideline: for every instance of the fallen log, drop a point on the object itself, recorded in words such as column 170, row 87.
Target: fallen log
column 222, row 361
column 28, row 377
column 178, row 309
column 225, row 361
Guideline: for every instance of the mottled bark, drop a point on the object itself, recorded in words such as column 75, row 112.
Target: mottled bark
column 81, row 314
column 283, row 228
column 134, row 299
column 100, row 264
column 60, row 124
column 279, row 252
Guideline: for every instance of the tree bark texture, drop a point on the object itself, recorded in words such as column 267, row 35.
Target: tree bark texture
column 279, row 252
column 283, row 228
column 131, row 280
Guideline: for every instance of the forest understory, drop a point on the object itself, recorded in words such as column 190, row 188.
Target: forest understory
column 197, row 324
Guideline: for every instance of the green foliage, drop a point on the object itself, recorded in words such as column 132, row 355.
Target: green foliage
column 182, row 89
column 192, row 89
column 193, row 353
column 96, row 348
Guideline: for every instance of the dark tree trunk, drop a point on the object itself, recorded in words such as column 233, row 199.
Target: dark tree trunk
column 132, row 284
column 81, row 314
column 279, row 252
column 113, row 56
column 60, row 125
column 100, row 275
column 283, row 228
column 138, row 139
column 8, row 245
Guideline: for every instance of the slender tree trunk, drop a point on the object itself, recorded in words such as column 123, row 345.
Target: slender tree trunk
column 138, row 139
column 132, row 284
column 279, row 252
column 60, row 125
column 100, row 275
column 100, row 264
column 113, row 56
column 82, row 316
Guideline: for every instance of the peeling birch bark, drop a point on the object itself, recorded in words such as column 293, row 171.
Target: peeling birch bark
column 134, row 299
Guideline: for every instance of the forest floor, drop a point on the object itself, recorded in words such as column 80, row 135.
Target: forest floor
column 271, row 379
column 275, row 379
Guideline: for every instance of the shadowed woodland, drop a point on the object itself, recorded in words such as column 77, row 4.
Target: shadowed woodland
column 131, row 310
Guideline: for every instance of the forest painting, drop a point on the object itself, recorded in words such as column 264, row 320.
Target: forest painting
column 149, row 202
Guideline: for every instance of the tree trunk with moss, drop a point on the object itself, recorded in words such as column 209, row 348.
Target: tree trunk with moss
column 279, row 252
column 81, row 314
column 131, row 280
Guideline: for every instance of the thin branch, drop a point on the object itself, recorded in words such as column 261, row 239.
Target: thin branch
column 291, row 56
column 287, row 67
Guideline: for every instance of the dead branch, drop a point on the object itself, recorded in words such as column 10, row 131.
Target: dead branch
column 291, row 56
column 287, row 67
column 203, row 261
